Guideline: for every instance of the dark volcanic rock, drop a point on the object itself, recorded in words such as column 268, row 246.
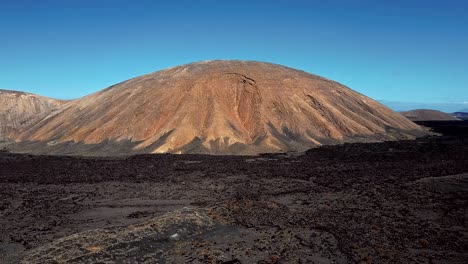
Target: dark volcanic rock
column 188, row 235
column 390, row 202
column 146, row 242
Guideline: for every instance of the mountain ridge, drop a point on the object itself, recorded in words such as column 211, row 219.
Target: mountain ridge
column 20, row 110
column 428, row 115
column 222, row 107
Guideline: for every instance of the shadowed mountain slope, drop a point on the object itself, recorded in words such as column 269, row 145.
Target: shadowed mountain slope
column 460, row 115
column 220, row 107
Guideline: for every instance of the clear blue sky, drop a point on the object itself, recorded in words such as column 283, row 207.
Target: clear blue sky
column 399, row 50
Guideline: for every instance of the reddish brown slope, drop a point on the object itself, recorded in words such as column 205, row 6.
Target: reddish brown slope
column 222, row 107
column 428, row 115
column 19, row 111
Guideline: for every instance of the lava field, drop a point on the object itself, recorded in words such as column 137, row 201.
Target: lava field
column 391, row 202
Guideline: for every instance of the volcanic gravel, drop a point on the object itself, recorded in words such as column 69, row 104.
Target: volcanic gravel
column 391, row 202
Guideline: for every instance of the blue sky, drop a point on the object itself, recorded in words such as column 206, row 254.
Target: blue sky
column 414, row 51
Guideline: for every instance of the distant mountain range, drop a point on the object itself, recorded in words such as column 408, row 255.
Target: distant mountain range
column 444, row 107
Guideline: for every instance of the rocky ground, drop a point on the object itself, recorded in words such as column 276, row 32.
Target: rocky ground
column 392, row 202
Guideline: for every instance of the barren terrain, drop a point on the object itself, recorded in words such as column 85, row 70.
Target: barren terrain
column 428, row 115
column 19, row 111
column 390, row 202
column 215, row 107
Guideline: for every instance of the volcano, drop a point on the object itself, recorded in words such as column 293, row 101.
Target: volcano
column 19, row 111
column 428, row 115
column 218, row 107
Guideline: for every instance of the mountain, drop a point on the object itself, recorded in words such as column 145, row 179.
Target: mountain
column 217, row 107
column 428, row 115
column 462, row 115
column 407, row 106
column 19, row 111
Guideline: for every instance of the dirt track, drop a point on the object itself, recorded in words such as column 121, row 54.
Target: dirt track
column 393, row 202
